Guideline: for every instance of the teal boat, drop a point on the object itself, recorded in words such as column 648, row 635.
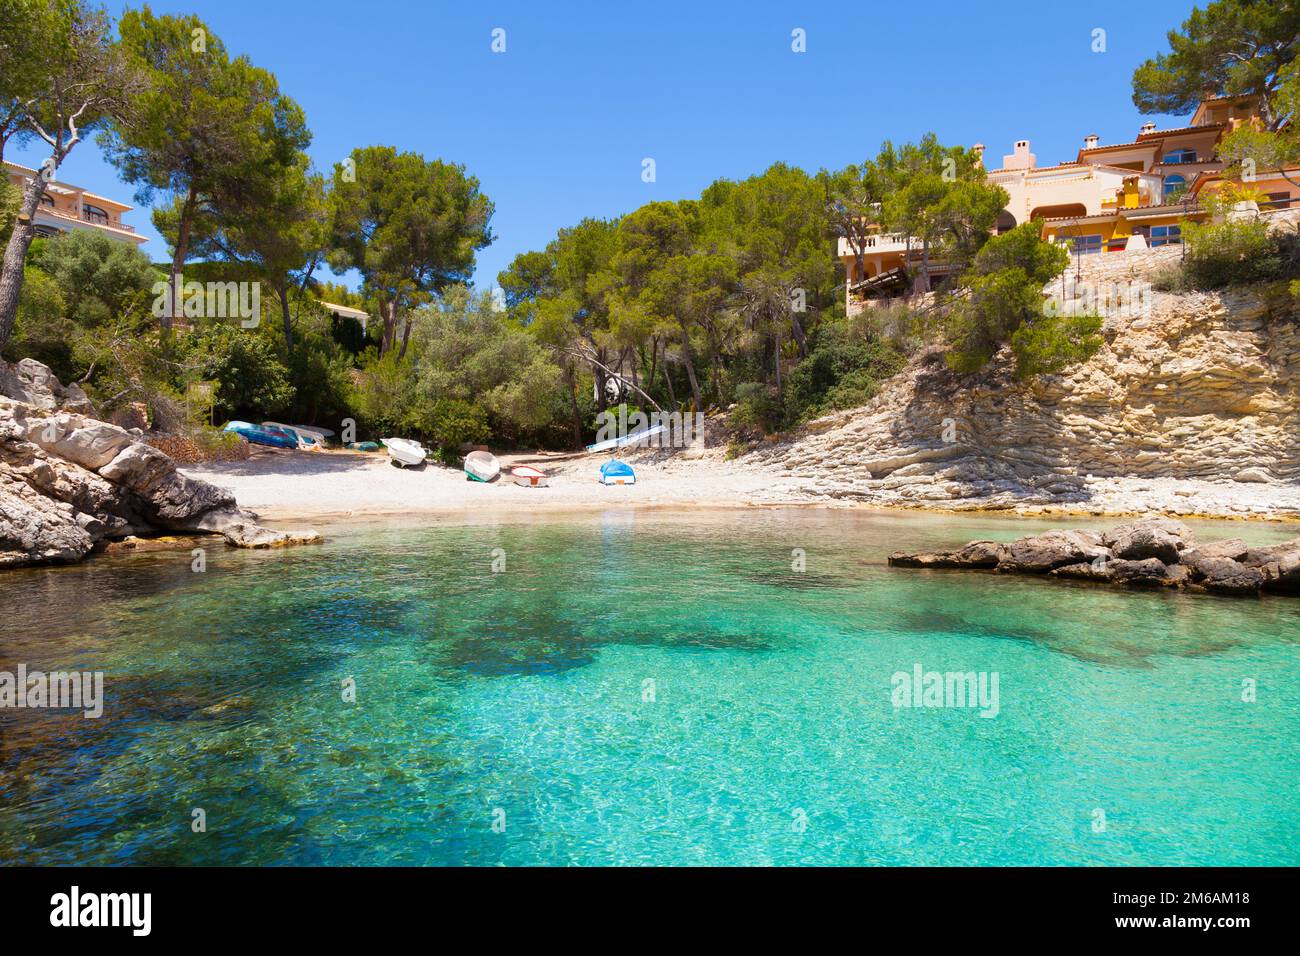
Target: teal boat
column 615, row 472
column 259, row 435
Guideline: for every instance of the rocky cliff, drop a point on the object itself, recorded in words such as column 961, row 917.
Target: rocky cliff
column 69, row 483
column 1190, row 408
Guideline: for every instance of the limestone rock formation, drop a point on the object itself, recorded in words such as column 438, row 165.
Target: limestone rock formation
column 1191, row 407
column 1040, row 553
column 1224, row 567
column 69, row 482
column 32, row 383
column 1149, row 539
column 977, row 554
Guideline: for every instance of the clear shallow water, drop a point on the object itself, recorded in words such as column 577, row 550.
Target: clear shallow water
column 522, row 692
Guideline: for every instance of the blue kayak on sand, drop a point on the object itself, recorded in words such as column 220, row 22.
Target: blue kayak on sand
column 615, row 472
column 262, row 436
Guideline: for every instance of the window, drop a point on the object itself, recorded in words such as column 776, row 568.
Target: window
column 1175, row 186
column 1084, row 244
column 94, row 214
column 1180, row 156
column 47, row 200
column 1166, row 236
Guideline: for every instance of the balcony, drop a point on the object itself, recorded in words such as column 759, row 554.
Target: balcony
column 87, row 216
column 883, row 242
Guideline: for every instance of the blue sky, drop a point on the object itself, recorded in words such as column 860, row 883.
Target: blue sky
column 556, row 127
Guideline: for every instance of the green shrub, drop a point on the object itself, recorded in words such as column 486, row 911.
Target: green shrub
column 758, row 407
column 321, row 374
column 1003, row 303
column 1170, row 278
column 251, row 380
column 895, row 324
column 843, row 371
column 383, row 395
column 1047, row 344
column 1233, row 252
column 214, row 442
column 449, row 422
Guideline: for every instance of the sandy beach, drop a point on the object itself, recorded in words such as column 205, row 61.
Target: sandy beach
column 282, row 485
column 285, row 485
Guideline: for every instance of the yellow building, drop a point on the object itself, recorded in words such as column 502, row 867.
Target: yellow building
column 65, row 207
column 1124, row 196
column 1161, row 167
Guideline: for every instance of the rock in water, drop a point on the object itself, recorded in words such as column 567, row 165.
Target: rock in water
column 1155, row 552
column 1045, row 552
column 977, row 554
column 1161, row 538
column 1148, row 571
column 1222, row 574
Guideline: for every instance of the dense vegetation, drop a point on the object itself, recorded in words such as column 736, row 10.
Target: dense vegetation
column 730, row 300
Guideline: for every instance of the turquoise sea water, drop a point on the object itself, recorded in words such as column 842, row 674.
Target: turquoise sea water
column 768, row 735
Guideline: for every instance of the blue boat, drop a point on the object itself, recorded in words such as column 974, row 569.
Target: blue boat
column 615, row 472
column 262, row 436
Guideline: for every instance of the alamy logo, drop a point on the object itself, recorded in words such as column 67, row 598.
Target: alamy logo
column 73, row 690
column 1107, row 299
column 210, row 300
column 660, row 429
column 922, row 688
column 103, row 909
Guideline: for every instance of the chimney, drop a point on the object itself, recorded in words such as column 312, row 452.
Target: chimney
column 1021, row 157
column 1148, row 127
column 1090, row 142
column 978, row 150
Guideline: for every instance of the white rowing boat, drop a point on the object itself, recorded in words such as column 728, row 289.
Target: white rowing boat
column 529, row 476
column 405, row 453
column 626, row 439
column 481, row 466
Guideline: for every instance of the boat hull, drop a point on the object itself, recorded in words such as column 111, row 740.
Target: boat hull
column 529, row 477
column 482, row 466
column 626, row 440
column 305, row 438
column 404, row 453
column 616, row 473
column 261, row 436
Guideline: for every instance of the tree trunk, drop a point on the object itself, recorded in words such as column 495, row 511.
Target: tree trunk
column 925, row 265
column 11, row 272
column 688, row 360
column 178, row 260
column 406, row 337
column 388, row 311
column 601, row 380
column 654, row 362
column 668, row 377
column 798, row 337
column 573, row 404
column 284, row 314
